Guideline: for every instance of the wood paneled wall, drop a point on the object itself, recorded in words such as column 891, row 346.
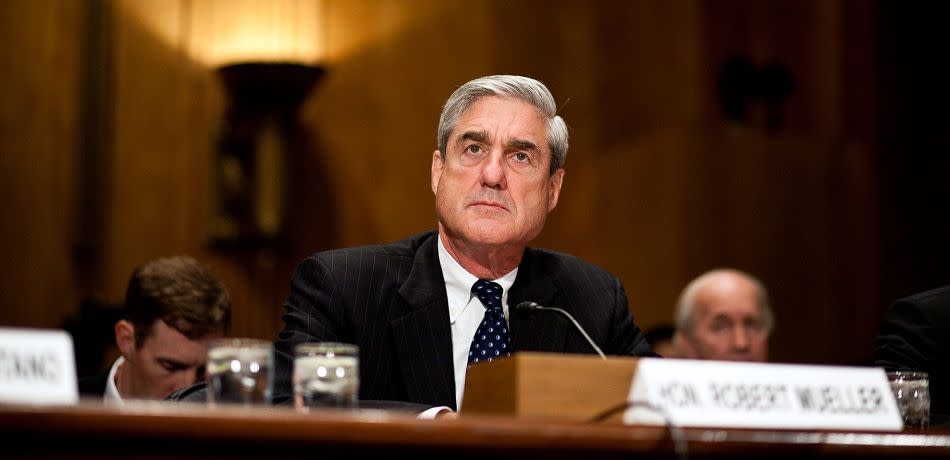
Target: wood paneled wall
column 658, row 188
column 38, row 152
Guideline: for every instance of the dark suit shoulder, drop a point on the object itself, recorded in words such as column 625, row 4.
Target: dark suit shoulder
column 403, row 248
column 558, row 264
column 933, row 299
column 929, row 309
column 912, row 332
column 352, row 261
column 592, row 295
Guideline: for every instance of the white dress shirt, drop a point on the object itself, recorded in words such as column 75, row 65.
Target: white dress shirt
column 465, row 311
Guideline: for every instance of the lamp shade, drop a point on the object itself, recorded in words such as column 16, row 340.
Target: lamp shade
column 225, row 32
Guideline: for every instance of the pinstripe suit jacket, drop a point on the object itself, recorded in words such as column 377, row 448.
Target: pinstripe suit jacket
column 390, row 300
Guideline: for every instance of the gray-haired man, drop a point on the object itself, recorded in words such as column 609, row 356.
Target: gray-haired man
column 422, row 309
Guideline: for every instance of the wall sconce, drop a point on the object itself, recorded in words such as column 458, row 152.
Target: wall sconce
column 260, row 136
column 265, row 55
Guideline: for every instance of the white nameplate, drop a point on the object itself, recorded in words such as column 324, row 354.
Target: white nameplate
column 37, row 367
column 749, row 395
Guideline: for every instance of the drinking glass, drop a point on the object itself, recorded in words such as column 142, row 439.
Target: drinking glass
column 240, row 371
column 912, row 391
column 326, row 374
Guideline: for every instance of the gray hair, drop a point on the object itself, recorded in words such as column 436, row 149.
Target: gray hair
column 526, row 89
column 687, row 300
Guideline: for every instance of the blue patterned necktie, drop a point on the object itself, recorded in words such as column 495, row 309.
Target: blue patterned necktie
column 491, row 339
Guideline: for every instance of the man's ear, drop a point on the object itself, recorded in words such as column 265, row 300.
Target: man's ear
column 554, row 191
column 125, row 337
column 437, row 165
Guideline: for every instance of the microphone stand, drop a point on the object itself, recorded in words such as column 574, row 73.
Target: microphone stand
column 531, row 306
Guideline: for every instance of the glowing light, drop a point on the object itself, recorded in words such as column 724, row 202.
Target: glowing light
column 230, row 31
column 221, row 32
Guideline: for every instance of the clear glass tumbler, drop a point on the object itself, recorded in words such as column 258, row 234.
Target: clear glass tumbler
column 912, row 391
column 240, row 371
column 326, row 374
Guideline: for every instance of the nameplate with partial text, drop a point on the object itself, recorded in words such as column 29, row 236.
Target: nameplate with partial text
column 37, row 367
column 756, row 395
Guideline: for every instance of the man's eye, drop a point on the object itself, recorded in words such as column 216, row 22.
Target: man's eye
column 171, row 367
column 521, row 157
column 474, row 148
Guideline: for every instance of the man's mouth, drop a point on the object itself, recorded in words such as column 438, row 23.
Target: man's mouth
column 492, row 204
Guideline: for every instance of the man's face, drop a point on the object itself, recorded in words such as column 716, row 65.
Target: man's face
column 493, row 188
column 728, row 324
column 167, row 361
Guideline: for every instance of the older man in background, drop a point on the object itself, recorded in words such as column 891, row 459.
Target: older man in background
column 725, row 315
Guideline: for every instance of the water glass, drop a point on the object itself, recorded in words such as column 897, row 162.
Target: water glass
column 326, row 374
column 240, row 371
column 912, row 391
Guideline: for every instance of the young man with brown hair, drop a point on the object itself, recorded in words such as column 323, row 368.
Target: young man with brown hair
column 173, row 308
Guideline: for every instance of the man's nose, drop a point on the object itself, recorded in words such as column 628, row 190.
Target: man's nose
column 740, row 339
column 493, row 171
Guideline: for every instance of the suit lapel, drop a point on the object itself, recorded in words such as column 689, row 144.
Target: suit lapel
column 422, row 336
column 536, row 331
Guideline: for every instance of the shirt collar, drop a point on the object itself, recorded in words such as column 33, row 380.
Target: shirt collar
column 458, row 283
column 111, row 395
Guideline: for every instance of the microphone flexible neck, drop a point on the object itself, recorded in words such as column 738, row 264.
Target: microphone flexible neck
column 531, row 306
column 579, row 328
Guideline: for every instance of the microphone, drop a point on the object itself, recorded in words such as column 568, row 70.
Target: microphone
column 528, row 306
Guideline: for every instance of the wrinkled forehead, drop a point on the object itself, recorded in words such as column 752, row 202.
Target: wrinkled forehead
column 509, row 117
column 487, row 99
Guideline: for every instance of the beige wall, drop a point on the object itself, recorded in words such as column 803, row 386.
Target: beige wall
column 658, row 188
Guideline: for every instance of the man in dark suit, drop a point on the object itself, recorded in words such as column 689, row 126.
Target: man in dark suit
column 421, row 310
column 914, row 337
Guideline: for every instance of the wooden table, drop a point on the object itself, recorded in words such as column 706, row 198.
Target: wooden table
column 164, row 430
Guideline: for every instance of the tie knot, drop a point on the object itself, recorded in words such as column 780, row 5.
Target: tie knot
column 489, row 292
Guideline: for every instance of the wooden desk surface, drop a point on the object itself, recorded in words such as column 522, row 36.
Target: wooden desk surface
column 163, row 430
